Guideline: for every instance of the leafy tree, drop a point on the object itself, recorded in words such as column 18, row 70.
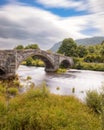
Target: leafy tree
column 82, row 51
column 29, row 61
column 91, row 49
column 102, row 51
column 19, row 47
column 68, row 47
column 32, row 46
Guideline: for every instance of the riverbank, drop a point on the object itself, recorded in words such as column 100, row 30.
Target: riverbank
column 81, row 65
column 40, row 110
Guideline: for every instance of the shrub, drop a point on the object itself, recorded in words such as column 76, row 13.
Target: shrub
column 12, row 91
column 93, row 100
column 28, row 78
column 89, row 66
column 2, row 89
column 16, row 83
column 61, row 70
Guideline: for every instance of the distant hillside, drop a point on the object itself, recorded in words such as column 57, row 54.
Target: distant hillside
column 85, row 41
column 90, row 41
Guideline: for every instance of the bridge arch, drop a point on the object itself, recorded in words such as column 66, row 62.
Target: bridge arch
column 2, row 70
column 65, row 63
column 49, row 64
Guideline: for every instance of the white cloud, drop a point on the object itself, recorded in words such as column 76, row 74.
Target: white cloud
column 62, row 3
column 88, row 5
column 21, row 24
column 95, row 6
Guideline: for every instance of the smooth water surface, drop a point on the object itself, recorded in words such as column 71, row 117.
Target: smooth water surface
column 63, row 84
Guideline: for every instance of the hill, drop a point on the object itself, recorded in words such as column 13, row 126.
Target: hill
column 85, row 41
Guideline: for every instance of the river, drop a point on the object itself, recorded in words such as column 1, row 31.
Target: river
column 63, row 84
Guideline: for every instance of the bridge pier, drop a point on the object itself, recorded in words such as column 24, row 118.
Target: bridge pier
column 51, row 69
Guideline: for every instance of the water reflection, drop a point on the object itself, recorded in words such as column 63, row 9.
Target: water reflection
column 80, row 80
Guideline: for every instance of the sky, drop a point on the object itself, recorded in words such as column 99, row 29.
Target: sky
column 46, row 22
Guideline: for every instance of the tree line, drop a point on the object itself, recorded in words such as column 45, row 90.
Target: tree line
column 85, row 57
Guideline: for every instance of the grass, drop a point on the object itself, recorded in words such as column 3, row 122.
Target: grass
column 9, row 87
column 95, row 101
column 39, row 110
column 89, row 66
column 61, row 70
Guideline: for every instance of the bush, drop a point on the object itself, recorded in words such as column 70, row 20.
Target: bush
column 61, row 70
column 2, row 89
column 89, row 66
column 93, row 100
column 93, row 58
column 12, row 91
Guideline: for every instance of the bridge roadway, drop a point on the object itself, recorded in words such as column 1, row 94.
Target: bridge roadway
column 11, row 59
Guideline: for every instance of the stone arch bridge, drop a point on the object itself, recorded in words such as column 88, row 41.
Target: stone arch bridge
column 11, row 59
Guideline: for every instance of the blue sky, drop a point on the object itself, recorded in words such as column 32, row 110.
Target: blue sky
column 46, row 22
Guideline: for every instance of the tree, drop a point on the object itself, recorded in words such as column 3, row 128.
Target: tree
column 19, row 47
column 82, row 51
column 32, row 46
column 29, row 61
column 68, row 47
column 102, row 50
column 91, row 49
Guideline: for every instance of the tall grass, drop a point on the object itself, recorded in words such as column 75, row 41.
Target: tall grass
column 39, row 110
column 95, row 100
column 9, row 87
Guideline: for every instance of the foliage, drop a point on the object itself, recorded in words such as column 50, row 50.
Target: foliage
column 28, row 78
column 19, row 47
column 32, row 46
column 85, row 57
column 9, row 87
column 31, row 62
column 61, row 70
column 81, row 51
column 39, row 110
column 68, row 47
column 12, row 91
column 95, row 100
column 94, row 58
column 89, row 66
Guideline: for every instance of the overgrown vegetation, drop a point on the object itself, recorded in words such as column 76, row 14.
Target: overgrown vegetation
column 37, row 109
column 9, row 87
column 85, row 57
column 95, row 100
column 61, row 70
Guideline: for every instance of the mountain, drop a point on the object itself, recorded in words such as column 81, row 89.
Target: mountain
column 90, row 41
column 85, row 41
